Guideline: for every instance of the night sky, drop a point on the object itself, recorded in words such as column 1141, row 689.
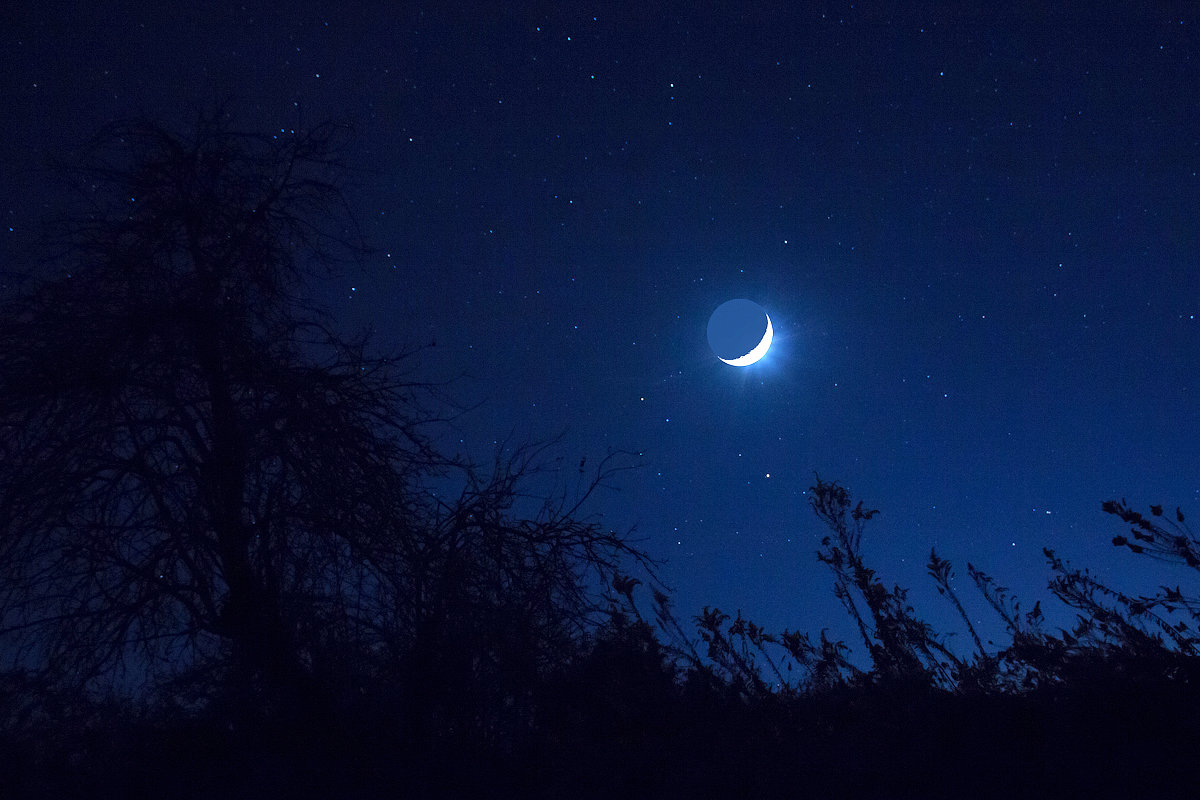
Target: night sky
column 976, row 238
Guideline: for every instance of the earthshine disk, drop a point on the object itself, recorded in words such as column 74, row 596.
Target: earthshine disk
column 739, row 332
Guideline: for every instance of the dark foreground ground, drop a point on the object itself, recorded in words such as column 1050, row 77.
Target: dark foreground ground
column 1106, row 741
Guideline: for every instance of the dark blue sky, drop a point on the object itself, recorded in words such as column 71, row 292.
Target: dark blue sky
column 976, row 238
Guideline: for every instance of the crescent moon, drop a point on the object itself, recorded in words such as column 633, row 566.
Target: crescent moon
column 758, row 352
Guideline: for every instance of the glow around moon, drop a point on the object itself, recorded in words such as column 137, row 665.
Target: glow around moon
column 740, row 332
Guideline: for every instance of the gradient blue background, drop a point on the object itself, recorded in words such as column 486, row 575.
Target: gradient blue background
column 976, row 235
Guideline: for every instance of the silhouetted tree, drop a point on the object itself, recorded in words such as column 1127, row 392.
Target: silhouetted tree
column 171, row 458
column 197, row 471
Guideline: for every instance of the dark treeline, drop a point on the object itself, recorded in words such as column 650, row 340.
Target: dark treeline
column 234, row 564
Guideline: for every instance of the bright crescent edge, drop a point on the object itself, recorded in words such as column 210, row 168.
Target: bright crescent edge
column 758, row 352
